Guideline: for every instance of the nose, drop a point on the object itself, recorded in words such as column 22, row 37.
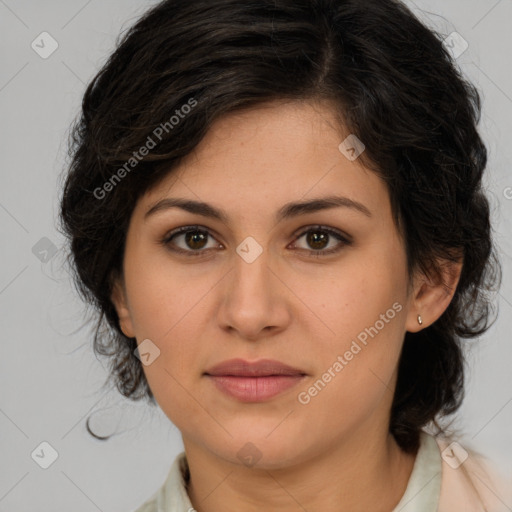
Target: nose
column 255, row 303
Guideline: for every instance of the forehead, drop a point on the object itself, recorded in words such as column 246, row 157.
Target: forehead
column 260, row 159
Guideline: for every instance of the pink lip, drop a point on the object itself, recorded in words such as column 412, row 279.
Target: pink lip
column 254, row 382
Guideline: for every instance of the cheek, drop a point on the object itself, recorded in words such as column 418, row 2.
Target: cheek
column 365, row 310
column 175, row 394
column 355, row 378
column 169, row 305
column 163, row 295
column 355, row 297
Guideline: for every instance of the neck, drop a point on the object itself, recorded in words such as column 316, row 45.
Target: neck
column 363, row 472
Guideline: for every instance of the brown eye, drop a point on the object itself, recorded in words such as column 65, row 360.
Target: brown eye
column 318, row 238
column 195, row 239
column 188, row 239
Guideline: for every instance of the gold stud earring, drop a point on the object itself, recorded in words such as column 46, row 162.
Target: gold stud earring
column 420, row 321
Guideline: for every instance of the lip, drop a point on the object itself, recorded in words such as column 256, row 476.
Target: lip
column 254, row 381
column 261, row 368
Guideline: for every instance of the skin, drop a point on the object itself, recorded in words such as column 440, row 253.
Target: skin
column 334, row 453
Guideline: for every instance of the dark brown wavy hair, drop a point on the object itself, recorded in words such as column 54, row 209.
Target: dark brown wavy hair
column 394, row 85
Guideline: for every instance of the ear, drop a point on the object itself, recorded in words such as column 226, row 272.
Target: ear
column 120, row 302
column 431, row 295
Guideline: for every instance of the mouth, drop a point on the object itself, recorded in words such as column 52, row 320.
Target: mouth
column 254, row 382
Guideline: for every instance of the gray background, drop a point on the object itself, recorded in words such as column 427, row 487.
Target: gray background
column 50, row 379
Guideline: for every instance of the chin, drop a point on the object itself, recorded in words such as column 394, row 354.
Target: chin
column 262, row 451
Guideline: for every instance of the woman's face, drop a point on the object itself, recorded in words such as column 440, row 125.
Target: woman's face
column 255, row 286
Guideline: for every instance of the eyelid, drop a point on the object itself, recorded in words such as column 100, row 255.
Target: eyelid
column 165, row 241
column 303, row 230
column 343, row 238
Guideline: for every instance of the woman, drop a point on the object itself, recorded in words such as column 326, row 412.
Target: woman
column 277, row 208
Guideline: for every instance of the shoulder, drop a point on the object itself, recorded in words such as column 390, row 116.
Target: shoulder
column 470, row 482
column 149, row 505
column 172, row 494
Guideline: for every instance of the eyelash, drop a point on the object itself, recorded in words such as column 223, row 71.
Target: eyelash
column 324, row 252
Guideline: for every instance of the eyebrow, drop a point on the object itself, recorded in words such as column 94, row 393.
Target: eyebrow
column 289, row 210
